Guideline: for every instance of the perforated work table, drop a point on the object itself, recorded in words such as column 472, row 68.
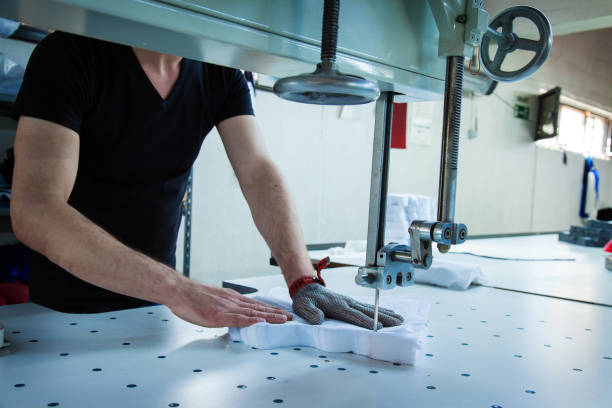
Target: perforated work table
column 484, row 348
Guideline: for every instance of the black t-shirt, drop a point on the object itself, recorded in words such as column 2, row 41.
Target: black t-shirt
column 136, row 149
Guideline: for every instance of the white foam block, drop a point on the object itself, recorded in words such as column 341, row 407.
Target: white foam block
column 452, row 275
column 395, row 344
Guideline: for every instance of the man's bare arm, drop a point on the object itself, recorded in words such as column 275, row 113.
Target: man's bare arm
column 277, row 220
column 267, row 195
column 46, row 162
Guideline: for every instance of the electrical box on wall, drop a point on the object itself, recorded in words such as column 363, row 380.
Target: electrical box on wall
column 521, row 111
column 522, row 107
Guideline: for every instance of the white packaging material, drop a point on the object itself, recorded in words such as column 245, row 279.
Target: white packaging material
column 402, row 209
column 452, row 275
column 395, row 344
column 396, row 226
column 447, row 274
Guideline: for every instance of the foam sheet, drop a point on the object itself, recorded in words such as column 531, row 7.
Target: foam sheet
column 395, row 344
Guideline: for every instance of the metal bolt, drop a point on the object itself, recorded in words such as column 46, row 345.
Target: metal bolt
column 409, row 276
column 389, row 279
column 461, row 18
column 462, row 234
column 447, row 233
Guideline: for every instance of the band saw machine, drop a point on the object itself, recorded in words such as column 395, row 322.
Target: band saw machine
column 463, row 27
column 396, row 50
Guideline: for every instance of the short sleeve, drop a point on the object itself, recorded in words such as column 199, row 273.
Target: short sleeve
column 237, row 96
column 55, row 82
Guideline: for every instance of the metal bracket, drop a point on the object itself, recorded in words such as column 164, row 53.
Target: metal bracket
column 476, row 22
column 423, row 233
column 461, row 24
column 393, row 268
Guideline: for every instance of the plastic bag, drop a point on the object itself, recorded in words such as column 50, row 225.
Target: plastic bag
column 11, row 75
column 7, row 27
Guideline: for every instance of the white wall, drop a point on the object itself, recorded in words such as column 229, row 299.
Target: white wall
column 496, row 168
column 506, row 184
column 327, row 163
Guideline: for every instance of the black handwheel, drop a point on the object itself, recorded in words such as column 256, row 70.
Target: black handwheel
column 508, row 42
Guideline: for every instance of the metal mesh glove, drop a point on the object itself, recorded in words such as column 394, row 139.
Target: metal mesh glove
column 315, row 302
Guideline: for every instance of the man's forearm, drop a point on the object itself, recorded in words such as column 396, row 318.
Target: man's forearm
column 276, row 219
column 46, row 164
column 70, row 240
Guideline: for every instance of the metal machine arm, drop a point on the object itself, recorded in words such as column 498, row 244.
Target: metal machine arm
column 462, row 26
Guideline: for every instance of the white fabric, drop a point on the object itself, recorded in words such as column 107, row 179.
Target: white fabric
column 395, row 344
column 447, row 274
column 452, row 275
column 396, row 226
column 402, row 209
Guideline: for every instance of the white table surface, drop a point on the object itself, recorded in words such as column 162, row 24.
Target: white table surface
column 505, row 343
column 585, row 279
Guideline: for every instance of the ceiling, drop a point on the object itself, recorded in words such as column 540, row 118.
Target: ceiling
column 566, row 16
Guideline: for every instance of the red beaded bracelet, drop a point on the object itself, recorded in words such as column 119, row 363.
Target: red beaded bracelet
column 307, row 280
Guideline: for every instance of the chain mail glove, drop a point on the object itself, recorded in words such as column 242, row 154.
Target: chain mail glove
column 314, row 302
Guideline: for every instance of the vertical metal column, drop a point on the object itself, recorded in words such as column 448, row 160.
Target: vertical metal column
column 187, row 227
column 450, row 141
column 380, row 175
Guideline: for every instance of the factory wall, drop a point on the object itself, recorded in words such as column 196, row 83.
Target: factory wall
column 326, row 162
column 506, row 183
column 580, row 64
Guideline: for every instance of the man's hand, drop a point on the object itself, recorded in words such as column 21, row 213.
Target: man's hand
column 314, row 302
column 216, row 307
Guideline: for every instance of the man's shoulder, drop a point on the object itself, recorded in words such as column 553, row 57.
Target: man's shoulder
column 62, row 38
column 61, row 41
column 219, row 77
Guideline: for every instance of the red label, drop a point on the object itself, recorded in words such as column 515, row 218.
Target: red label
column 398, row 132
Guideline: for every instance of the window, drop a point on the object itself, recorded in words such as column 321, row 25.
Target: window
column 582, row 132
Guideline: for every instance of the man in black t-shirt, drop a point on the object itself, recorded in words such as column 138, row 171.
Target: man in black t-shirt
column 106, row 138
